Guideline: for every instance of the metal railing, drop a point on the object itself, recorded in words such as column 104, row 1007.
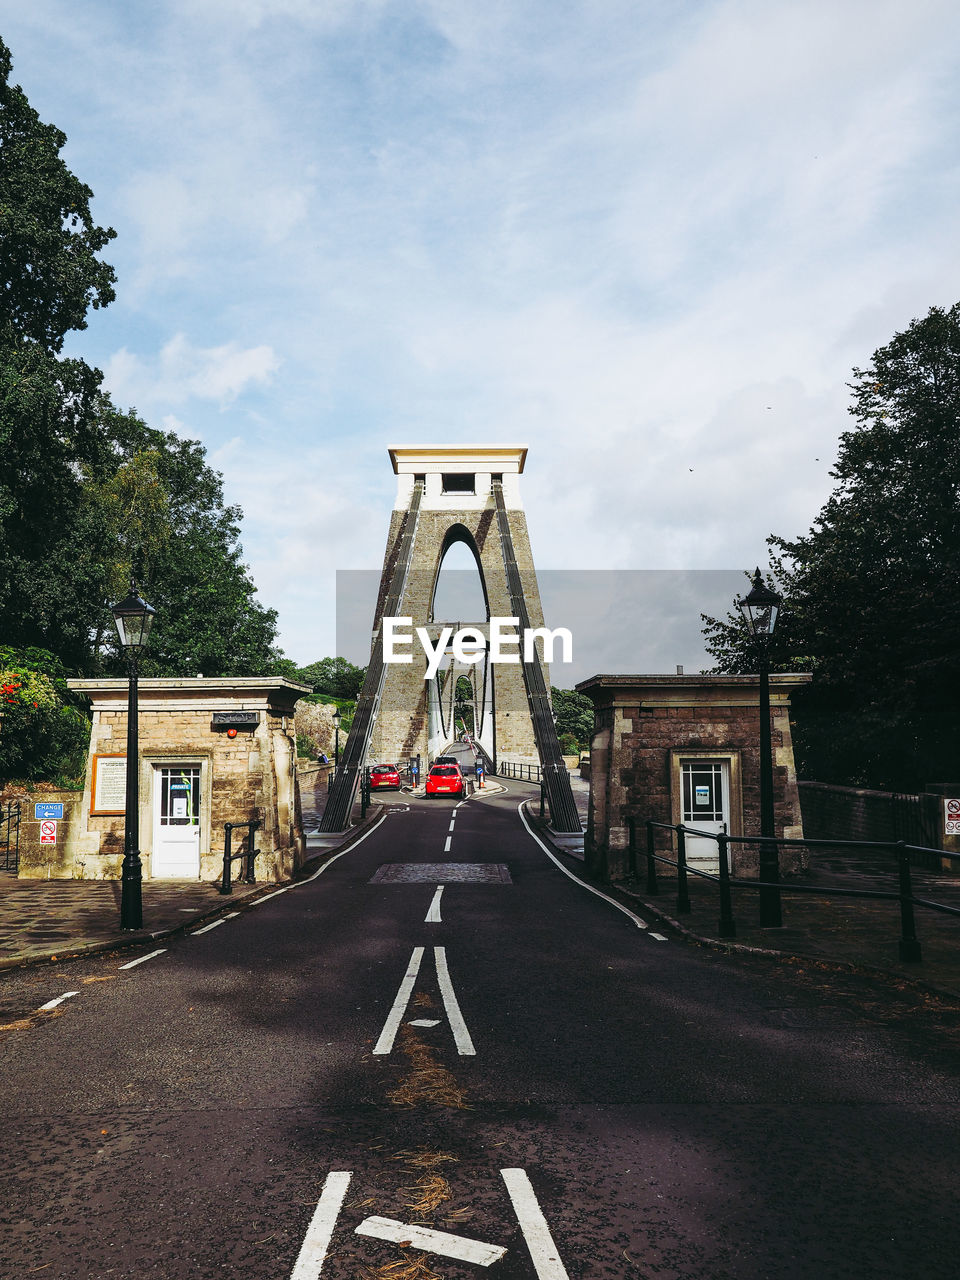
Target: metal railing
column 249, row 853
column 10, row 836
column 910, row 949
column 523, row 772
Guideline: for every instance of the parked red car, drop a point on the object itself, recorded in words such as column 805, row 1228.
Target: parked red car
column 385, row 775
column 445, row 780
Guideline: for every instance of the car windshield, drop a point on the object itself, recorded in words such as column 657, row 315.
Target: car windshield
column 444, row 771
column 383, row 768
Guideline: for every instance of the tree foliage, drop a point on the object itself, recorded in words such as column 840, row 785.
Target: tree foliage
column 42, row 733
column 574, row 712
column 871, row 592
column 334, row 677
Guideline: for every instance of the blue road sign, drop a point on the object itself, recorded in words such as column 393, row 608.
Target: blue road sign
column 47, row 810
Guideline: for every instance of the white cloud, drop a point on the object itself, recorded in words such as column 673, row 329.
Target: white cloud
column 182, row 372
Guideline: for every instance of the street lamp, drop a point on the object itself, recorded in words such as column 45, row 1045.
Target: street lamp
column 336, row 745
column 134, row 618
column 760, row 609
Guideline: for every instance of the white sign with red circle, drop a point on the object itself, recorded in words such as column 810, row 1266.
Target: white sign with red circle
column 48, row 831
column 951, row 817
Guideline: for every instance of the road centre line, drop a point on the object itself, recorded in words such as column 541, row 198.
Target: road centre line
column 433, row 915
column 641, row 924
column 446, row 847
column 659, row 937
column 133, row 963
column 52, row 1004
column 442, row 1242
column 461, row 1035
column 543, row 1251
column 313, row 1251
column 452, row 821
column 394, row 1017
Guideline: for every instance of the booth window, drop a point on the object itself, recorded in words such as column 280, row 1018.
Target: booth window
column 459, row 482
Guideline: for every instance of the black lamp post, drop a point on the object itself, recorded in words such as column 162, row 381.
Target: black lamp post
column 336, row 745
column 133, row 617
column 760, row 609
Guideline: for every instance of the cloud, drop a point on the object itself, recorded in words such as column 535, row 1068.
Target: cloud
column 182, row 372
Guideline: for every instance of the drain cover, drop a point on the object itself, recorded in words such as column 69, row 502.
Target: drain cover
column 442, row 873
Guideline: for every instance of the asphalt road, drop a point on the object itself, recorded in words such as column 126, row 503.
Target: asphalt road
column 513, row 1065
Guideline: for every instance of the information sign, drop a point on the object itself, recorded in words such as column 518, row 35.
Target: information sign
column 951, row 817
column 48, row 832
column 49, row 809
column 108, row 792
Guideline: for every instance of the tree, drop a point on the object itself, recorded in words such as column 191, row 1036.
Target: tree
column 335, row 677
column 872, row 591
column 42, row 734
column 574, row 712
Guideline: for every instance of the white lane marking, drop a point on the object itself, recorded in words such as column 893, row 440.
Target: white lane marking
column 433, row 915
column 461, row 1035
column 317, row 1240
column 543, row 1251
column 207, row 927
column 446, row 847
column 641, row 924
column 659, row 937
column 395, row 1016
column 449, row 1246
column 52, row 1004
column 267, row 896
column 330, row 861
column 452, row 823
column 231, row 915
column 424, row 1022
column 133, row 963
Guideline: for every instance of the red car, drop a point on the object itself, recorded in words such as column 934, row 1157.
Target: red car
column 445, row 780
column 385, row 775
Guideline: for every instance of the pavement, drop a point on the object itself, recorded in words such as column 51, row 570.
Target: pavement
column 50, row 919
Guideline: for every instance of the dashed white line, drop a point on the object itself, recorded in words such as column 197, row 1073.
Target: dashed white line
column 267, row 896
column 231, row 915
column 52, row 1004
column 543, row 1252
column 433, row 915
column 446, row 847
column 461, row 1035
column 149, row 956
column 317, row 1240
column 394, row 1017
column 442, row 1242
column 207, row 927
column 659, row 937
column 452, row 823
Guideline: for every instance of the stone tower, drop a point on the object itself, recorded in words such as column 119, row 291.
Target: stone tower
column 457, row 503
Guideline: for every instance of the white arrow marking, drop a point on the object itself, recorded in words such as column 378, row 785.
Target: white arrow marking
column 433, row 915
column 543, row 1252
column 395, row 1016
column 449, row 1246
column 424, row 1022
column 52, row 1004
column 317, row 1240
column 461, row 1035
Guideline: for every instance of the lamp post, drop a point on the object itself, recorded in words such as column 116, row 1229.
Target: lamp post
column 760, row 609
column 134, row 618
column 336, row 745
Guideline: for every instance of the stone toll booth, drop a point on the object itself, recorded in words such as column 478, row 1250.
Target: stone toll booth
column 686, row 748
column 211, row 751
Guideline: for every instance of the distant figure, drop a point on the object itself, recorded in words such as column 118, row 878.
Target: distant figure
column 322, row 758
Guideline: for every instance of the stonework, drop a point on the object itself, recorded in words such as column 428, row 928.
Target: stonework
column 649, row 726
column 251, row 775
column 402, row 729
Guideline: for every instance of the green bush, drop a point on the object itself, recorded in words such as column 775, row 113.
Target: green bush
column 43, row 737
column 569, row 745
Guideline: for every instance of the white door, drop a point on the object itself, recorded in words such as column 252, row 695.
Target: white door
column 706, row 806
column 176, row 822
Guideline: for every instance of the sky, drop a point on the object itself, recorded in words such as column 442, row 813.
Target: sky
column 649, row 240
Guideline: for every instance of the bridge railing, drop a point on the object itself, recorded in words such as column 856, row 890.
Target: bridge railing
column 901, row 880
column 522, row 772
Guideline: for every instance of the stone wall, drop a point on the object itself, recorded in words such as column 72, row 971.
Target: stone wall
column 857, row 813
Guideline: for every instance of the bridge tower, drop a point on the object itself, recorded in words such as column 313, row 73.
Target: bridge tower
column 445, row 495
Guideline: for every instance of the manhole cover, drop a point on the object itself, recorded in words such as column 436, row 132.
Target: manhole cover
column 442, row 873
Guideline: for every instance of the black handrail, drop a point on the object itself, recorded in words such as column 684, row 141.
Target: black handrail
column 909, row 946
column 249, row 853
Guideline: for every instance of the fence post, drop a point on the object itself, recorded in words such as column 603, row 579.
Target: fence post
column 651, row 860
column 252, row 828
column 225, row 886
column 909, row 944
column 683, row 893
column 727, row 927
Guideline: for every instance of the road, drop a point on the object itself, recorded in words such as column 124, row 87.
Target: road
column 443, row 1044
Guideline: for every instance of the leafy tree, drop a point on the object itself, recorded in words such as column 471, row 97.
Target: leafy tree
column 574, row 712
column 42, row 734
column 335, row 677
column 872, row 591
